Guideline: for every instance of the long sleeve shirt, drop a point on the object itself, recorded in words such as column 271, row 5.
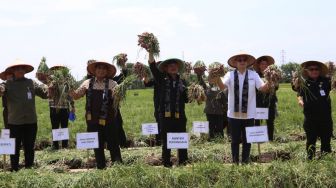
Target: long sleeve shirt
column 20, row 96
column 161, row 79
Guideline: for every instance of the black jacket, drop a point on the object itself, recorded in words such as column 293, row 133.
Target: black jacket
column 161, row 78
column 316, row 98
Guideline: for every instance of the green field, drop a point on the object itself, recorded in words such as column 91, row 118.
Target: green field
column 282, row 163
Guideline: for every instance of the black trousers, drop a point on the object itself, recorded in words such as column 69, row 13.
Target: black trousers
column 216, row 125
column 173, row 125
column 269, row 122
column 158, row 137
column 24, row 135
column 106, row 134
column 5, row 117
column 59, row 118
column 227, row 125
column 270, row 127
column 315, row 129
column 238, row 135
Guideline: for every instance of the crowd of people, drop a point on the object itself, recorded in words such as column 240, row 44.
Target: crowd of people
column 231, row 103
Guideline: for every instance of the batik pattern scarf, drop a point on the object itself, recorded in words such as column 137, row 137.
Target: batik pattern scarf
column 243, row 112
column 167, row 99
column 104, row 108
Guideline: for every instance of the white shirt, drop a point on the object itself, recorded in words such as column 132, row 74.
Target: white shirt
column 254, row 82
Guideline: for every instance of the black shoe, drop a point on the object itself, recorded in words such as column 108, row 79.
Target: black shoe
column 14, row 169
column 168, row 165
column 101, row 167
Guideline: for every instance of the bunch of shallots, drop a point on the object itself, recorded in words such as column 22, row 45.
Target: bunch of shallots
column 119, row 92
column 187, row 71
column 43, row 71
column 196, row 93
column 141, row 70
column 120, row 60
column 187, row 68
column 273, row 75
column 62, row 81
column 199, row 67
column 299, row 82
column 216, row 69
column 149, row 42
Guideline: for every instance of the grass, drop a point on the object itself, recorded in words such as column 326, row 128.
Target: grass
column 210, row 165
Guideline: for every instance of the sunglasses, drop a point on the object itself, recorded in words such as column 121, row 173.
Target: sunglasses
column 241, row 59
column 314, row 69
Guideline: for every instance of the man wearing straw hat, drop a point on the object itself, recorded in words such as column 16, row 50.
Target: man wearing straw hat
column 5, row 76
column 22, row 119
column 314, row 98
column 266, row 100
column 100, row 116
column 241, row 84
column 59, row 107
column 172, row 99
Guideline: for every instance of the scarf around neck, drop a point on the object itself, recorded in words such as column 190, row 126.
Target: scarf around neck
column 178, row 85
column 104, row 108
column 236, row 94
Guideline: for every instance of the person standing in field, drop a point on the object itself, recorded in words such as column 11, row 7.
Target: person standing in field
column 266, row 100
column 60, row 108
column 172, row 99
column 241, row 84
column 22, row 120
column 100, row 116
column 5, row 76
column 151, row 83
column 215, row 107
column 314, row 98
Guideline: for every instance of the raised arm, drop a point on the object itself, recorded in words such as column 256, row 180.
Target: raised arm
column 121, row 77
column 223, row 83
column 201, row 81
column 152, row 65
column 260, row 85
column 81, row 91
column 41, row 90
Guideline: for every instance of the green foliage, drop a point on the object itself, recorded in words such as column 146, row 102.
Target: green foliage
column 287, row 70
column 43, row 67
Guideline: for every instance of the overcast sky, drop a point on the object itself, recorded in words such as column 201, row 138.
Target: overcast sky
column 72, row 31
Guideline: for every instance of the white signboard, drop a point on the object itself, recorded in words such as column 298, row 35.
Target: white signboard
column 150, row 128
column 177, row 140
column 261, row 113
column 201, row 127
column 256, row 134
column 87, row 140
column 7, row 146
column 60, row 134
column 5, row 133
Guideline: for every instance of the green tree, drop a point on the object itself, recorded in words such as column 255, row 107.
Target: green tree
column 287, row 70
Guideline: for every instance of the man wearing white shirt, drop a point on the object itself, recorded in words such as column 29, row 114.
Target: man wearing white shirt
column 241, row 84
